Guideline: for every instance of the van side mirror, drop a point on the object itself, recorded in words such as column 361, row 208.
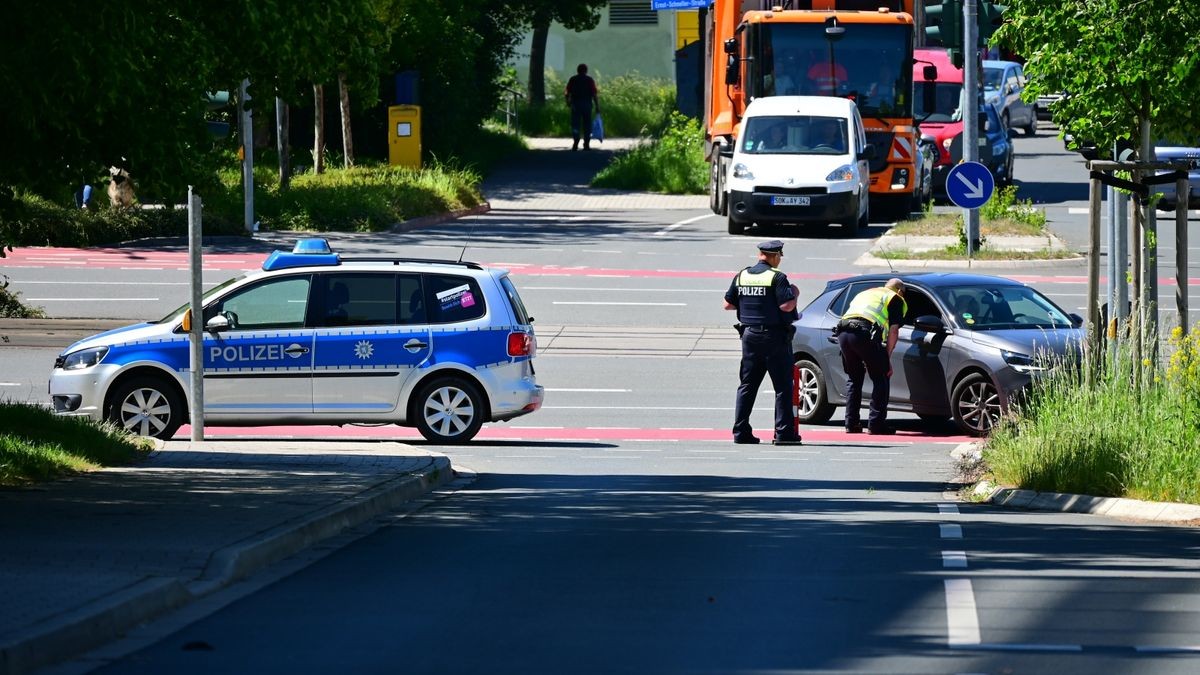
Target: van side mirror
column 868, row 153
column 730, row 46
column 983, row 123
column 929, row 73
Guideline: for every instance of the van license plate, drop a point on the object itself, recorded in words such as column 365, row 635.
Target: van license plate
column 789, row 201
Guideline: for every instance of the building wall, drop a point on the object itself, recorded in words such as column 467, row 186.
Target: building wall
column 624, row 41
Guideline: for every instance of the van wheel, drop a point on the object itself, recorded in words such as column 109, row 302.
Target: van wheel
column 146, row 406
column 449, row 411
column 815, row 407
column 736, row 226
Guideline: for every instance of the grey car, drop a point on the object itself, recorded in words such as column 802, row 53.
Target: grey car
column 1003, row 85
column 969, row 343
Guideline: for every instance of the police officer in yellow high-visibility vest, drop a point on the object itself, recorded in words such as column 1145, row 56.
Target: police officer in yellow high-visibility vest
column 766, row 307
column 867, row 334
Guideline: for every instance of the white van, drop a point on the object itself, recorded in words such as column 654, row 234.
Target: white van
column 800, row 159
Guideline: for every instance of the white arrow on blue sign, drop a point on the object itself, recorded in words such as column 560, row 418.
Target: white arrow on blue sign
column 969, row 185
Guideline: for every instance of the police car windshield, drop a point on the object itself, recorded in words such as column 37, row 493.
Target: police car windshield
column 175, row 313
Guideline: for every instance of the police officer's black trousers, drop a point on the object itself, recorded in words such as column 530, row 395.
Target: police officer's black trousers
column 765, row 351
column 863, row 355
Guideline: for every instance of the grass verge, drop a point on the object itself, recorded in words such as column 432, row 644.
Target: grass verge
column 957, row 252
column 673, row 164
column 37, row 445
column 11, row 306
column 1120, row 426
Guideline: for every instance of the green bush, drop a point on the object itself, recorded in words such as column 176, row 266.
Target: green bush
column 673, row 164
column 1113, row 426
column 11, row 306
column 36, row 444
column 1003, row 205
column 631, row 105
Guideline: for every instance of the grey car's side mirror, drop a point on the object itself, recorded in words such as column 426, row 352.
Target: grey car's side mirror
column 1076, row 320
column 930, row 324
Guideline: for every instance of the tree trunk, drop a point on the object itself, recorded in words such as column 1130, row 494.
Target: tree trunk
column 537, row 62
column 281, row 142
column 347, row 135
column 318, row 129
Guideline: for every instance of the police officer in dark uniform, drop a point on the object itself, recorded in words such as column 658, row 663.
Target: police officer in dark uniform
column 766, row 307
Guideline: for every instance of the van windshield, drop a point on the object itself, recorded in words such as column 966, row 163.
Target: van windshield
column 795, row 135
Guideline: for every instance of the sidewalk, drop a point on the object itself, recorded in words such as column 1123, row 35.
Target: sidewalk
column 84, row 559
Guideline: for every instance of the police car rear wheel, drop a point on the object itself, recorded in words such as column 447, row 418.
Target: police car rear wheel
column 147, row 406
column 449, row 411
column 815, row 407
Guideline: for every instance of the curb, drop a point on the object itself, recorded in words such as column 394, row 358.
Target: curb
column 105, row 619
column 426, row 221
column 1063, row 502
column 868, row 260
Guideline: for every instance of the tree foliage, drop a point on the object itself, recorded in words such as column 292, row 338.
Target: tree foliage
column 576, row 16
column 1119, row 62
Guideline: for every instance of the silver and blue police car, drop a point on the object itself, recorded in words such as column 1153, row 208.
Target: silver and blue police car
column 318, row 338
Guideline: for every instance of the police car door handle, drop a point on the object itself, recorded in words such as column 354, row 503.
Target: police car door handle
column 415, row 344
column 295, row 349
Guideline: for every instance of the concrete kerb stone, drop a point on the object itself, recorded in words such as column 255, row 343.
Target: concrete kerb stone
column 427, row 221
column 106, row 619
column 928, row 243
column 1061, row 502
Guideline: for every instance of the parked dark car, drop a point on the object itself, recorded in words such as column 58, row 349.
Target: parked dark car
column 969, row 343
column 1003, row 85
column 995, row 145
column 1165, row 151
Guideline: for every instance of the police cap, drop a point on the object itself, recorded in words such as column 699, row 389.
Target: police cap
column 772, row 246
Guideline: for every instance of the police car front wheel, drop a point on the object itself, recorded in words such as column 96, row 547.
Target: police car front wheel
column 146, row 406
column 449, row 411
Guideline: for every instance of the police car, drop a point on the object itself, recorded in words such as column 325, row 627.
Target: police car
column 317, row 338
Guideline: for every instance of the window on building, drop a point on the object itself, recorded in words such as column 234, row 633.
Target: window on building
column 631, row 13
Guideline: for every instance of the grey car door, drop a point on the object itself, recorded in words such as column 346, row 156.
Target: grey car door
column 919, row 363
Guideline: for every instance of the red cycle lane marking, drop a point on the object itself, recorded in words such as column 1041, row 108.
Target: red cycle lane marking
column 501, row 433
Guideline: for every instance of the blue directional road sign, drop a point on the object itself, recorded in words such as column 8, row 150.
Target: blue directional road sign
column 969, row 185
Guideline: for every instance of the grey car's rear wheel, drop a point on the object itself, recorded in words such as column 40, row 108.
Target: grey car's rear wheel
column 815, row 407
column 449, row 411
column 146, row 406
column 976, row 404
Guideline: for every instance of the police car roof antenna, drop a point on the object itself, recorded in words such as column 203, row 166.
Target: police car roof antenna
column 470, row 233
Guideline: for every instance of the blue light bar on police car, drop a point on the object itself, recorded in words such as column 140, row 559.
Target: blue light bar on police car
column 313, row 252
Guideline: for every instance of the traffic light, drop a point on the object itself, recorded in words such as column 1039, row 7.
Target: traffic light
column 944, row 23
column 988, row 17
column 217, row 102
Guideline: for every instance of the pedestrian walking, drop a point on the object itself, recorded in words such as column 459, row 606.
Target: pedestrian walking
column 581, row 94
column 765, row 302
column 867, row 335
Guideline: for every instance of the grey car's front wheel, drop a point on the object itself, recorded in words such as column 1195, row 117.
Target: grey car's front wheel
column 146, row 406
column 815, row 407
column 976, row 404
column 449, row 411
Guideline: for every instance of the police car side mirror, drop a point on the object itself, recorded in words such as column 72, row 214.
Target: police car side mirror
column 217, row 324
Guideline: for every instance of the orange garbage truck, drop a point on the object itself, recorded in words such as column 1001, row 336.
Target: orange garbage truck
column 856, row 49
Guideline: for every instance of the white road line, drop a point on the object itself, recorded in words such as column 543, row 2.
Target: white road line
column 146, row 268
column 954, row 559
column 864, row 459
column 539, row 428
column 10, row 384
column 868, row 452
column 785, row 459
column 627, row 304
column 620, row 290
column 681, row 223
column 962, row 621
column 92, row 299
column 948, row 508
column 950, row 531
column 598, row 391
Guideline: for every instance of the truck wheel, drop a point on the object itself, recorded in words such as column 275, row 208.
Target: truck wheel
column 146, row 406
column 815, row 407
column 714, row 187
column 449, row 411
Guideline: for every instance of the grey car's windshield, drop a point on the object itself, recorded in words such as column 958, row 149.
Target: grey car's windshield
column 1002, row 307
column 207, row 294
column 992, row 78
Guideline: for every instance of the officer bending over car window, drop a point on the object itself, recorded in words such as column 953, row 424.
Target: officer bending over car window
column 874, row 315
column 766, row 307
